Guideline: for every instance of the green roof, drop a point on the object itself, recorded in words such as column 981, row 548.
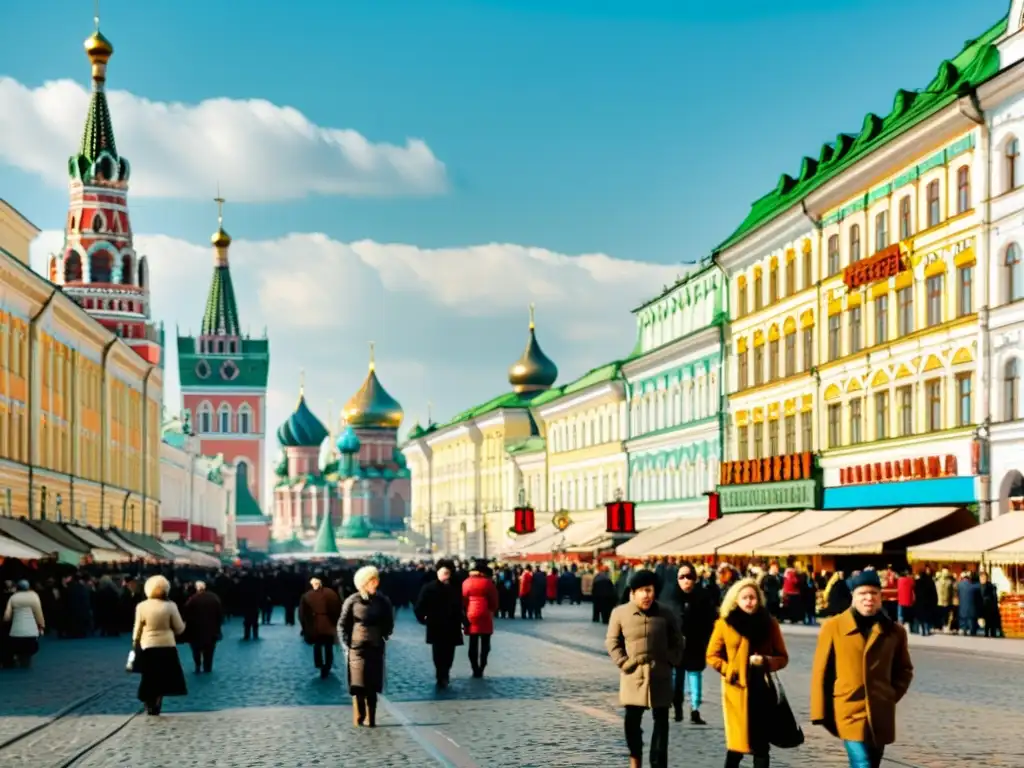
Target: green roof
column 325, row 540
column 221, row 316
column 252, row 362
column 976, row 63
column 533, row 444
column 98, row 135
column 245, row 505
column 599, row 375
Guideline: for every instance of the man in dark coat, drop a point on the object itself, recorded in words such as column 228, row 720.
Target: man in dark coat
column 319, row 612
column 603, row 595
column 204, row 615
column 250, row 600
column 439, row 608
column 539, row 592
column 696, row 614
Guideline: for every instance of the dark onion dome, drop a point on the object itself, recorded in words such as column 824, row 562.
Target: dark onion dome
column 302, row 429
column 372, row 407
column 533, row 371
column 349, row 442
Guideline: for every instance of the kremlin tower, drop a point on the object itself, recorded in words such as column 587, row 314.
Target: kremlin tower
column 98, row 266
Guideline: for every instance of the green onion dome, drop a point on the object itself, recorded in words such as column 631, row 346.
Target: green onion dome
column 302, row 429
column 349, row 443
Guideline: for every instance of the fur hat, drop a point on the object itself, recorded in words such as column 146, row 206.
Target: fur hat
column 865, row 579
column 641, row 579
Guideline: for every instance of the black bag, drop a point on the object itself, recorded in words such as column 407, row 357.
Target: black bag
column 785, row 732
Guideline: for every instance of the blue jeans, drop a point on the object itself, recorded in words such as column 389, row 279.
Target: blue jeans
column 863, row 755
column 692, row 680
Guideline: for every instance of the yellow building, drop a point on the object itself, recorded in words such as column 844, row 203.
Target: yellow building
column 79, row 410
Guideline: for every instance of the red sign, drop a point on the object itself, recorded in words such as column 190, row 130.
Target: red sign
column 883, row 265
column 921, row 468
column 714, row 506
column 524, row 521
column 775, row 469
column 621, row 516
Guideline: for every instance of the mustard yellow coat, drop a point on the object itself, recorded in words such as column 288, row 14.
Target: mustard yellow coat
column 729, row 652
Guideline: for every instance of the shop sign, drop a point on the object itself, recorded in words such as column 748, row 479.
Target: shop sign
column 883, row 265
column 798, row 494
column 774, row 469
column 897, row 470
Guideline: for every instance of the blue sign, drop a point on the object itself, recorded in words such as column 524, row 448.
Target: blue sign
column 936, row 492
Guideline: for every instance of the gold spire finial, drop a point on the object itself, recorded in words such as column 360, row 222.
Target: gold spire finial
column 532, row 308
column 221, row 239
column 96, row 15
column 99, row 50
column 302, row 383
column 373, row 363
column 220, row 206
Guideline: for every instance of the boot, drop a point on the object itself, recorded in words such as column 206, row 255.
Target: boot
column 358, row 710
column 695, row 718
column 371, row 711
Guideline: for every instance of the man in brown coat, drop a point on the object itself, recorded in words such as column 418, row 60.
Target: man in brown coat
column 645, row 643
column 319, row 611
column 203, row 616
column 861, row 669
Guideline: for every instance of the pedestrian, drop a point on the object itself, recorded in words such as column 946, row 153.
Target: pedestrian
column 479, row 603
column 969, row 594
column 538, row 592
column 525, row 590
column 154, row 636
column 696, row 615
column 604, row 596
column 989, row 619
column 24, row 613
column 925, row 602
column 645, row 643
column 905, row 599
column 250, row 598
column 203, row 616
column 861, row 670
column 745, row 648
column 439, row 608
column 319, row 611
column 367, row 621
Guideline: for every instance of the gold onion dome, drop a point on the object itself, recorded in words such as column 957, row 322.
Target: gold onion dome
column 220, row 238
column 533, row 371
column 97, row 46
column 372, row 407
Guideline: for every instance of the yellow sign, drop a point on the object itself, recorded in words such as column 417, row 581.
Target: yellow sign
column 561, row 520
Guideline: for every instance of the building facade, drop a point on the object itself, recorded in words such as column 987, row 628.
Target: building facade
column 676, row 403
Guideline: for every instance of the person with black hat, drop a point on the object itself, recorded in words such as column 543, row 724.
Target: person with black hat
column 479, row 604
column 861, row 670
column 645, row 643
column 439, row 608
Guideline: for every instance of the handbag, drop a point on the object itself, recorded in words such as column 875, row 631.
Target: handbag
column 133, row 665
column 785, row 732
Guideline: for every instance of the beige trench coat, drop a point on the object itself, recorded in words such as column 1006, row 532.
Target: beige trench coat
column 645, row 648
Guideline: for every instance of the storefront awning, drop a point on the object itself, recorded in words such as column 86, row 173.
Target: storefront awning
column 575, row 535
column 11, row 548
column 529, row 540
column 26, row 534
column 102, row 551
column 907, row 525
column 812, row 541
column 796, row 525
column 189, row 556
column 645, row 542
column 972, row 545
column 127, row 546
column 1008, row 554
column 757, row 524
column 695, row 542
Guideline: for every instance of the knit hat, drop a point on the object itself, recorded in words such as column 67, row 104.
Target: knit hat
column 641, row 579
column 865, row 579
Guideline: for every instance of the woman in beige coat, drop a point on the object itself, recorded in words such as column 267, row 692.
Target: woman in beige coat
column 157, row 623
column 24, row 613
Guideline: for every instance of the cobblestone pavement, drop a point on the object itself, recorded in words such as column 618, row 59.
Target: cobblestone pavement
column 549, row 699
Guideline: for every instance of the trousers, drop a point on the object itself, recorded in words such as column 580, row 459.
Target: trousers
column 659, row 737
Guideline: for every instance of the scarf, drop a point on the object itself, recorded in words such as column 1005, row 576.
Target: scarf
column 756, row 626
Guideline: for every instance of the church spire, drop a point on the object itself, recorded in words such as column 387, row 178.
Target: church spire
column 221, row 316
column 97, row 158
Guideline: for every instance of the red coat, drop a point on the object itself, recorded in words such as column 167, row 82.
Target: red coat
column 480, row 601
column 905, row 591
column 552, row 586
column 525, row 583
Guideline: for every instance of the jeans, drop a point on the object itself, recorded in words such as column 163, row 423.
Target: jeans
column 659, row 738
column 692, row 680
column 863, row 755
column 905, row 614
column 323, row 657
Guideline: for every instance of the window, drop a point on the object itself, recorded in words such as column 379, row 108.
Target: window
column 1015, row 274
column 773, row 438
column 963, row 189
column 1012, row 161
column 882, row 319
column 808, row 270
column 743, row 443
column 773, row 361
column 934, row 204
column 741, row 301
column 856, row 421
column 791, row 276
column 933, row 288
column 905, row 398
column 881, row 415
column 791, row 434
column 906, row 222
column 224, row 420
column 205, row 419
column 933, row 405
column 963, row 399
column 758, row 293
column 807, row 429
column 881, row 230
column 243, row 421
column 833, row 337
column 964, row 290
column 833, row 255
column 905, row 310
column 758, row 441
column 854, row 243
column 759, row 365
column 834, row 422
column 1011, row 390
column 742, row 370
column 808, row 351
column 790, row 354
column 773, row 285
column 855, row 330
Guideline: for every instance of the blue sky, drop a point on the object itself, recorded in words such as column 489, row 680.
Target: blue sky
column 636, row 131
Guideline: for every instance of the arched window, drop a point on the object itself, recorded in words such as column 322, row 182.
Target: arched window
column 244, row 420
column 143, row 272
column 205, row 414
column 101, row 266
column 963, row 189
column 1011, row 161
column 906, row 222
column 1014, row 274
column 854, row 243
column 1011, row 390
column 241, row 473
column 934, row 203
column 73, row 268
column 126, row 270
column 224, row 418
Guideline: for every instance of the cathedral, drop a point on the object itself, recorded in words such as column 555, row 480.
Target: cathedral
column 352, row 487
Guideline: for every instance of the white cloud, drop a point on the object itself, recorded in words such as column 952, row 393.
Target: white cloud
column 256, row 150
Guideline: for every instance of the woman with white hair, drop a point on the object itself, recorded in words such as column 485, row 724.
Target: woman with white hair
column 24, row 612
column 157, row 623
column 367, row 621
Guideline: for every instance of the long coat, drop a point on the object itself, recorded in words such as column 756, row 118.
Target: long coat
column 319, row 611
column 480, row 602
column 729, row 654
column 645, row 647
column 204, row 615
column 857, row 682
column 439, row 607
column 696, row 621
column 365, row 625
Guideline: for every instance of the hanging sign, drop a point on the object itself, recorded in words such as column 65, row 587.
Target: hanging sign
column 524, row 521
column 621, row 516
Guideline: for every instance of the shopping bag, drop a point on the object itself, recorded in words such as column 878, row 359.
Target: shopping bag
column 784, row 732
column 132, row 665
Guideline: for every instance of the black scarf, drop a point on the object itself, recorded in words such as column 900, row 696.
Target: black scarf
column 756, row 627
column 865, row 623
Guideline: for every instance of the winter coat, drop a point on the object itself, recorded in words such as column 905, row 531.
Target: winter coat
column 696, row 615
column 586, row 584
column 480, row 603
column 552, row 586
column 439, row 608
column 25, row 613
column 970, row 599
column 729, row 654
column 319, row 611
column 157, row 622
column 525, row 583
column 925, row 595
column 203, row 617
column 857, row 682
column 365, row 625
column 645, row 647
column 945, row 586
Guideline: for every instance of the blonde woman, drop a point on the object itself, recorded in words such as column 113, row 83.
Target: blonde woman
column 746, row 646
column 367, row 621
column 157, row 623
column 24, row 612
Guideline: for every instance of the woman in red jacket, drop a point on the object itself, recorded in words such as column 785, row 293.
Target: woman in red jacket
column 480, row 603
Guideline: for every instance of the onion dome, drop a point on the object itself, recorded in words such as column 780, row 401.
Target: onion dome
column 99, row 50
column 349, row 443
column 533, row 371
column 372, row 407
column 398, row 457
column 220, row 238
column 302, row 429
